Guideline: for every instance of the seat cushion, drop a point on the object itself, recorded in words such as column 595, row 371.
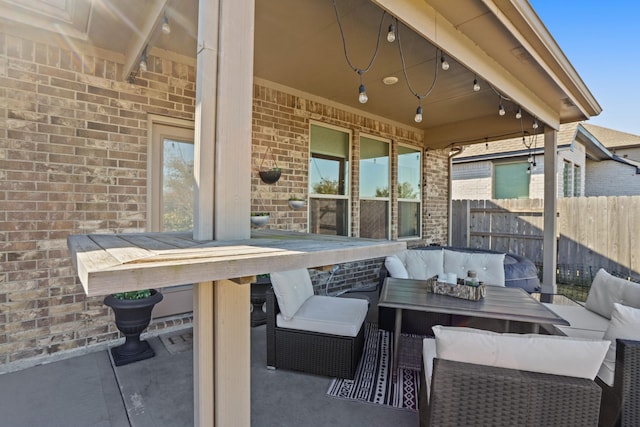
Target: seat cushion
column 328, row 315
column 580, row 319
column 292, row 289
column 489, row 268
column 607, row 290
column 624, row 324
column 428, row 354
column 549, row 354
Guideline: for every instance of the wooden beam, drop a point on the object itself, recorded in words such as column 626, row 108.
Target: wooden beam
column 550, row 208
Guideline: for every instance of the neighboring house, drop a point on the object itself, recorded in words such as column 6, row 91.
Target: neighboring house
column 514, row 168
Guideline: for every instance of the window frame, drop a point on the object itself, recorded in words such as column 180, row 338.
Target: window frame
column 420, row 190
column 387, row 199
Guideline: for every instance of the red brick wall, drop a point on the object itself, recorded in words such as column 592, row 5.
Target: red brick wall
column 73, row 159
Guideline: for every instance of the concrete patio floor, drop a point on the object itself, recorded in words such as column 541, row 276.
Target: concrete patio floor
column 88, row 390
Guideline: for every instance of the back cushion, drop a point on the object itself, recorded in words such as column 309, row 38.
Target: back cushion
column 549, row 354
column 423, row 264
column 396, row 267
column 607, row 290
column 292, row 288
column 489, row 268
column 624, row 324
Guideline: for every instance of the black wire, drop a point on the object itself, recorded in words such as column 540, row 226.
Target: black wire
column 404, row 70
column 344, row 42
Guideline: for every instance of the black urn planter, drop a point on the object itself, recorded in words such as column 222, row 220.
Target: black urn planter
column 132, row 317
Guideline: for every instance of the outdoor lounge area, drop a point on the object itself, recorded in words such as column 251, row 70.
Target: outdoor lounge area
column 167, row 153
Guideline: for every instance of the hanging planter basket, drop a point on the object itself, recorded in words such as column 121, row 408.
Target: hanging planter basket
column 259, row 220
column 269, row 175
column 296, row 204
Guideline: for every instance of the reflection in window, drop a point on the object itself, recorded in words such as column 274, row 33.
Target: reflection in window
column 329, row 181
column 409, row 191
column 374, row 188
column 177, row 185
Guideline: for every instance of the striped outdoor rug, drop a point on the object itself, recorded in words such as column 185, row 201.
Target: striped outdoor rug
column 373, row 382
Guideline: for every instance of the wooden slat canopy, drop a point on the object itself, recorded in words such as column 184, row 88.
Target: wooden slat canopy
column 109, row 263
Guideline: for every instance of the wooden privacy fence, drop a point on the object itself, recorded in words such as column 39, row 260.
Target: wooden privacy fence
column 593, row 232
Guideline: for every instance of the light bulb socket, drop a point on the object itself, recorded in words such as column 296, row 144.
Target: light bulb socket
column 418, row 116
column 444, row 63
column 535, row 124
column 143, row 60
column 501, row 111
column 391, row 35
column 166, row 28
column 476, row 85
column 362, row 94
column 519, row 114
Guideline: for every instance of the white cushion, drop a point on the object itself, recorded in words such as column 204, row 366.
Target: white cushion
column 395, row 267
column 489, row 268
column 579, row 318
column 606, row 290
column 292, row 289
column 428, row 354
column 423, row 264
column 625, row 324
column 574, row 357
column 328, row 315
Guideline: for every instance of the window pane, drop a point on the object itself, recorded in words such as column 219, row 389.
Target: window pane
column 177, row 186
column 511, row 181
column 374, row 168
column 374, row 219
column 329, row 216
column 576, row 181
column 408, row 219
column 409, row 173
column 566, row 179
column 329, row 166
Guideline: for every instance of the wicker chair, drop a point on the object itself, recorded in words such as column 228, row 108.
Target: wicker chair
column 312, row 352
column 465, row 394
column 621, row 403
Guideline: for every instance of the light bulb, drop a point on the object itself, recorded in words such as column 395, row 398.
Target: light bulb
column 143, row 64
column 166, row 28
column 535, row 123
column 418, row 116
column 528, row 170
column 476, row 85
column 444, row 63
column 534, row 164
column 391, row 35
column 501, row 110
column 132, row 81
column 362, row 96
column 519, row 114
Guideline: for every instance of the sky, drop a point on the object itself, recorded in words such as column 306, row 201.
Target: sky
column 601, row 39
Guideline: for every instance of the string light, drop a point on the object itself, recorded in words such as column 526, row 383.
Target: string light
column 443, row 62
column 519, row 113
column 418, row 116
column 535, row 123
column 166, row 28
column 501, row 111
column 476, row 85
column 391, row 35
column 143, row 60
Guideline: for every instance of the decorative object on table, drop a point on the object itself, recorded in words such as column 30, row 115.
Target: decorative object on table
column 259, row 218
column 133, row 314
column 373, row 383
column 296, row 203
column 459, row 290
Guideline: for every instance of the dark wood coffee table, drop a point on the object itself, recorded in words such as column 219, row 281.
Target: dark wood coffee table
column 502, row 303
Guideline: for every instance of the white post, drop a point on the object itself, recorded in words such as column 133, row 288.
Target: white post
column 550, row 208
column 224, row 87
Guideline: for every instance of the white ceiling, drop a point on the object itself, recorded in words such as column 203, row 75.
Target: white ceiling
column 298, row 44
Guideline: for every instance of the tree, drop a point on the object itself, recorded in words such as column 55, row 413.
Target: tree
column 405, row 191
column 326, row 186
column 178, row 188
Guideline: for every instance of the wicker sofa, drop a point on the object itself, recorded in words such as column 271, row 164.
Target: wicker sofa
column 312, row 333
column 611, row 312
column 512, row 380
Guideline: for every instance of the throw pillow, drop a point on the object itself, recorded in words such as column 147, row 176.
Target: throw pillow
column 292, row 288
column 395, row 267
column 550, row 354
column 625, row 324
column 489, row 268
column 423, row 264
column 605, row 290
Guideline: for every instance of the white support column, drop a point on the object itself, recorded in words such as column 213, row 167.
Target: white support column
column 224, row 88
column 550, row 211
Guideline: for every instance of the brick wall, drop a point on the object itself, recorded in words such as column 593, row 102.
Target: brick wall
column 73, row 159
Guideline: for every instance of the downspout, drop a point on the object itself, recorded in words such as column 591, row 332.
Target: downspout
column 455, row 151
